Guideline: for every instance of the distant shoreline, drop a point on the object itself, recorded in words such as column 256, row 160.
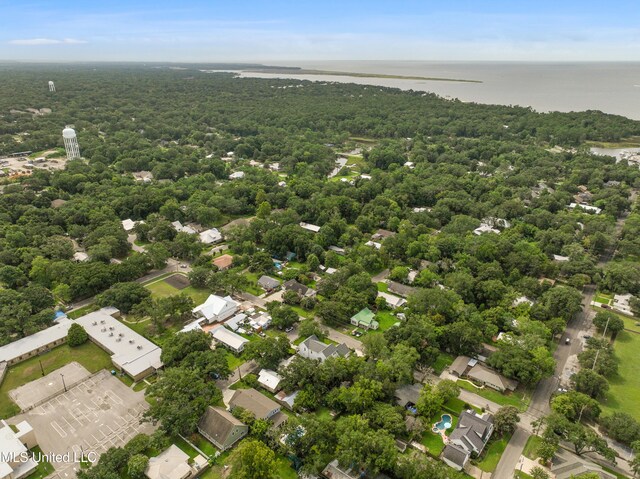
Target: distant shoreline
column 302, row 71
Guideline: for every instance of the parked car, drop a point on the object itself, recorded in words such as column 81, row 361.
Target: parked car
column 586, row 336
column 567, row 341
column 289, row 329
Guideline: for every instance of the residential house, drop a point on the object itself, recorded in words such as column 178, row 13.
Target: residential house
column 172, row 463
column 287, row 400
column 488, row 377
column 211, row 236
column 382, row 234
column 228, row 339
column 460, row 365
column 268, row 284
column 235, row 323
column 400, row 289
column 470, row 436
column 216, row 308
column 337, row 250
column 80, row 256
column 180, row 228
column 591, row 209
column 485, row 228
column 335, row 471
column 365, row 318
column 567, row 465
column 15, row 442
column 560, row 258
column 521, row 300
column 408, row 395
column 392, row 300
column 309, row 227
column 260, row 405
column 621, row 303
column 300, row 289
column 270, row 380
column 221, row 428
column 223, row 262
column 260, row 321
column 373, row 244
column 128, row 224
column 236, row 175
column 312, row 348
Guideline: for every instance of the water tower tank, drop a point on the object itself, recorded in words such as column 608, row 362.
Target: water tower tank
column 69, row 133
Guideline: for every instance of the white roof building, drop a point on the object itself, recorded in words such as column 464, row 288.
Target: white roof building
column 373, row 244
column 270, row 380
column 559, row 258
column 485, row 228
column 38, row 342
column 211, row 236
column 235, row 323
column 80, row 256
column 393, row 301
column 195, row 325
column 183, row 229
column 229, row 339
column 593, row 209
column 621, row 303
column 132, row 353
column 129, row 224
column 309, row 227
column 13, row 444
column 172, row 463
column 216, row 308
column 521, row 300
column 237, row 175
column 262, row 321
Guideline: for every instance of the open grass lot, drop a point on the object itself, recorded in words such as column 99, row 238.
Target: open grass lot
column 283, row 469
column 82, row 311
column 252, row 287
column 625, row 386
column 632, row 324
column 603, row 298
column 162, row 289
column 89, row 355
column 383, row 287
column 234, row 361
column 521, row 475
column 491, row 456
column 513, row 399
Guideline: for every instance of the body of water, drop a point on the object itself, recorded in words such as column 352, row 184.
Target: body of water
column 609, row 87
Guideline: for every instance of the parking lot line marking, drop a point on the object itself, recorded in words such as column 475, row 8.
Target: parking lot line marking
column 58, row 429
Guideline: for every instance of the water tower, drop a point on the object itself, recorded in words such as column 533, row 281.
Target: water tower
column 70, row 143
column 52, row 87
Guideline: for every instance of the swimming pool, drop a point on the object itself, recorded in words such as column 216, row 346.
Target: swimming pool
column 443, row 424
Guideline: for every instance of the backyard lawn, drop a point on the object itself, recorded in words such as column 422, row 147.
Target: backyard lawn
column 513, row 399
column 386, row 320
column 234, row 361
column 444, row 360
column 432, row 441
column 89, row 355
column 162, row 289
column 624, row 388
column 601, row 297
column 491, row 455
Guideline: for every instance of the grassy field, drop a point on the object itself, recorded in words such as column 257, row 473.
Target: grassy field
column 386, row 320
column 513, row 399
column 491, row 455
column 531, row 446
column 603, row 298
column 234, row 361
column 625, row 386
column 82, row 311
column 89, row 355
column 162, row 289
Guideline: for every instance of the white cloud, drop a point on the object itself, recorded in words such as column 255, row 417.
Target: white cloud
column 46, row 41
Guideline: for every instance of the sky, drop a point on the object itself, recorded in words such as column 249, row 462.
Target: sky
column 297, row 30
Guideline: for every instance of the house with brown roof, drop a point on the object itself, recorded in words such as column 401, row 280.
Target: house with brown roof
column 221, row 428
column 400, row 289
column 260, row 405
column 488, row 377
column 223, row 262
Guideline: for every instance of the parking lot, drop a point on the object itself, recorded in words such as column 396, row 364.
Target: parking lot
column 97, row 414
column 52, row 384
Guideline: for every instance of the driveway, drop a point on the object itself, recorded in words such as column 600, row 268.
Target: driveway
column 350, row 341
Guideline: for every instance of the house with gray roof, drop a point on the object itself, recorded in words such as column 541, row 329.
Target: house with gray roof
column 268, row 284
column 313, row 348
column 400, row 289
column 300, row 289
column 221, row 428
column 260, row 405
column 469, row 437
column 408, row 394
column 491, row 378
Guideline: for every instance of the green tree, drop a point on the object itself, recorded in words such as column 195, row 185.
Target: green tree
column 269, row 351
column 590, row 383
column 136, row 465
column 252, row 459
column 76, row 335
column 123, row 296
column 505, row 420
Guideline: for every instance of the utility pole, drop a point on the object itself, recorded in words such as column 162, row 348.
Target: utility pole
column 41, row 368
column 63, row 384
column 239, row 373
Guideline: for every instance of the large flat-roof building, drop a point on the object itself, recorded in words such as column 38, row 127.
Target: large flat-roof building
column 37, row 343
column 130, row 352
column 14, row 442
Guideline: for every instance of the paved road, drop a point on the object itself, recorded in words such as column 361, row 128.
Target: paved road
column 261, row 303
column 350, row 341
column 242, row 370
column 539, row 405
column 509, row 460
